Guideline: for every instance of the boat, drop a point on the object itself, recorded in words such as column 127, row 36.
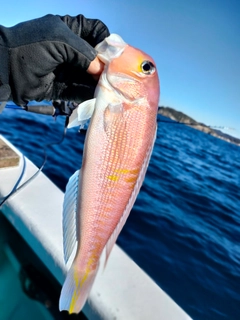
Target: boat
column 32, row 268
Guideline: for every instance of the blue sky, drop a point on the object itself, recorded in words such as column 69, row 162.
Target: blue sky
column 195, row 43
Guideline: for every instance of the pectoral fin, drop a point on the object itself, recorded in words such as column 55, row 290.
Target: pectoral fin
column 82, row 113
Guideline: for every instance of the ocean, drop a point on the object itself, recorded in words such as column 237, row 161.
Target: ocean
column 184, row 229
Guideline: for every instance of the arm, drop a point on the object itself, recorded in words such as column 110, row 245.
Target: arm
column 50, row 58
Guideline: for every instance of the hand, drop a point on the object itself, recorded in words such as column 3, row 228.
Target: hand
column 95, row 68
column 50, row 58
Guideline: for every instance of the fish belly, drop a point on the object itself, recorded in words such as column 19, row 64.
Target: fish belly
column 116, row 147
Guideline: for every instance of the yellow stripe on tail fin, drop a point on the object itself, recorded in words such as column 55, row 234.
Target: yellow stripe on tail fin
column 76, row 289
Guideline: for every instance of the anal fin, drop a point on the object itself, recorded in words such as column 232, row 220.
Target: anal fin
column 70, row 215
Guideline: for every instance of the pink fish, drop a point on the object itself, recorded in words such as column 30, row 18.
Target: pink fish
column 118, row 146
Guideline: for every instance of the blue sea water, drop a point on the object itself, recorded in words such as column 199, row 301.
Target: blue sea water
column 184, row 229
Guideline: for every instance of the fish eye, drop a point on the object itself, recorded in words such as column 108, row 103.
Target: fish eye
column 147, row 67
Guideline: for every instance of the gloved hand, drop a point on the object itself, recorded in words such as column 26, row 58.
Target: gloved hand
column 50, row 58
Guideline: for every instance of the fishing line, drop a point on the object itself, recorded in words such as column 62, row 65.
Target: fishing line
column 16, row 188
column 13, row 106
column 41, row 109
column 45, row 107
column 3, row 199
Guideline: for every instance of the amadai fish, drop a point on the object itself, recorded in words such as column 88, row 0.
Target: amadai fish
column 117, row 149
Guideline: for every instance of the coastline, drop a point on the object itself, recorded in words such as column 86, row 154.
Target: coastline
column 183, row 118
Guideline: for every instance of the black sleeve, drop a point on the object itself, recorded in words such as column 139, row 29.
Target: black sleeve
column 47, row 58
column 91, row 30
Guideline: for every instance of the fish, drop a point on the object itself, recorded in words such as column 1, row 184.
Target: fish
column 117, row 150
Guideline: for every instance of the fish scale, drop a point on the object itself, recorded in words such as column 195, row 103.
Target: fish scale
column 117, row 150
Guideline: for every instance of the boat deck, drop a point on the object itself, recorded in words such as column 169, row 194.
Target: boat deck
column 121, row 291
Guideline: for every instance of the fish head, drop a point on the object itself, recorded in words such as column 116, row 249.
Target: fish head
column 134, row 74
column 129, row 71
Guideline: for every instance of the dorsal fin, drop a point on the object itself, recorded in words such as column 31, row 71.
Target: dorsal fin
column 70, row 218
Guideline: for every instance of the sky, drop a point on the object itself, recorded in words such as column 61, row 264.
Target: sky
column 195, row 44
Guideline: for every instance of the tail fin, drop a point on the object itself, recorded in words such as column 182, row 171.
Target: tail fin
column 76, row 289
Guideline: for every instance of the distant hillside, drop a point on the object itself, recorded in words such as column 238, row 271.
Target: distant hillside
column 183, row 118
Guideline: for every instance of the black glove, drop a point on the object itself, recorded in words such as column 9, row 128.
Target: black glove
column 47, row 59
